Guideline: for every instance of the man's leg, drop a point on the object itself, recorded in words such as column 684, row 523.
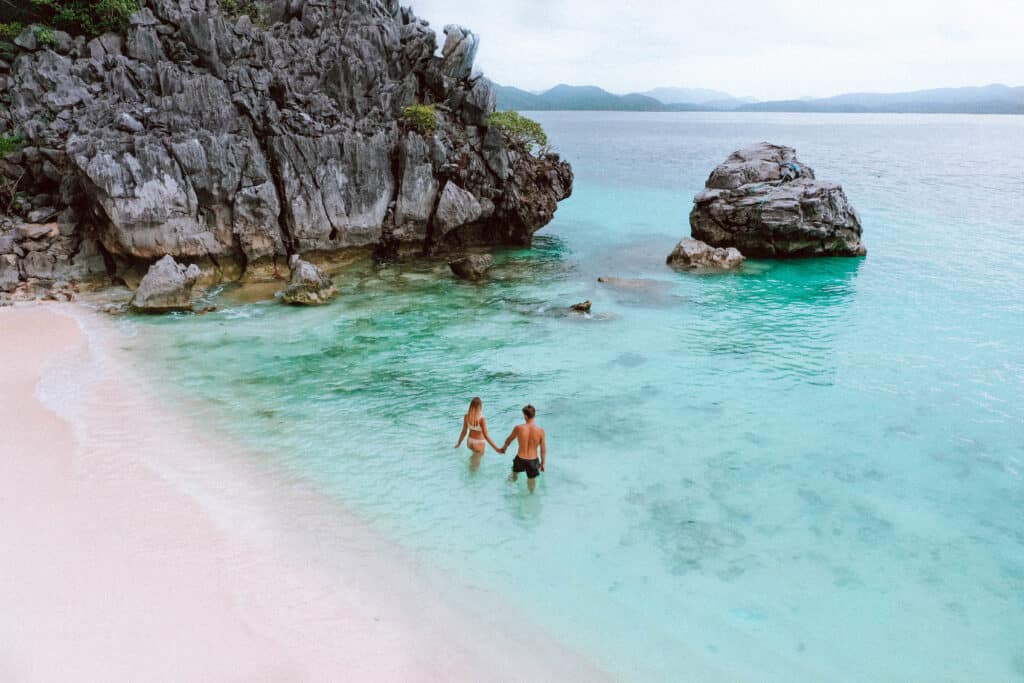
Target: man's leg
column 531, row 484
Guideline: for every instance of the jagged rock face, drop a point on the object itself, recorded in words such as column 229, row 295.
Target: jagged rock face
column 308, row 285
column 766, row 203
column 691, row 254
column 167, row 287
column 204, row 136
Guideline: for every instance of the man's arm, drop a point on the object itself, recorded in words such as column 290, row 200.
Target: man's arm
column 543, row 449
column 509, row 440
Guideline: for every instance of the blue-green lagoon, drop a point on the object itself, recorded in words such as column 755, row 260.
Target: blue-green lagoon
column 809, row 470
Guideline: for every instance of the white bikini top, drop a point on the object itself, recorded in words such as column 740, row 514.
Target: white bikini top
column 475, row 428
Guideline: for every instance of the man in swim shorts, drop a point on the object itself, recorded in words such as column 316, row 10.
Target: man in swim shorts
column 531, row 439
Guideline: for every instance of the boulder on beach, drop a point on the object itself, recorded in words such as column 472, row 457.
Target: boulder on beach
column 696, row 255
column 308, row 286
column 473, row 267
column 766, row 203
column 167, row 287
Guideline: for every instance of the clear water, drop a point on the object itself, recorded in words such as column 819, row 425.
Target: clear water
column 805, row 471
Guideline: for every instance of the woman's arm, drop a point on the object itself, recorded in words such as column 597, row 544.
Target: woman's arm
column 483, row 428
column 465, row 428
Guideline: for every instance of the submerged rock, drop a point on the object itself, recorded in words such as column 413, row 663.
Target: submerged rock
column 473, row 267
column 167, row 287
column 766, row 203
column 583, row 307
column 696, row 255
column 308, row 286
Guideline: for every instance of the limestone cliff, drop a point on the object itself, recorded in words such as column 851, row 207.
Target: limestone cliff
column 236, row 143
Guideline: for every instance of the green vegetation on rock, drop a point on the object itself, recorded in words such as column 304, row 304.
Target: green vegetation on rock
column 77, row 17
column 10, row 30
column 519, row 130
column 9, row 144
column 45, row 36
column 421, row 117
column 254, row 9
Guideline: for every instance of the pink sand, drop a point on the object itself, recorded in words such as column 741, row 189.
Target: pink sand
column 137, row 549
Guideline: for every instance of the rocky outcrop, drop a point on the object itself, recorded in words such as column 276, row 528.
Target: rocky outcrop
column 236, row 144
column 167, row 287
column 473, row 267
column 766, row 203
column 691, row 254
column 308, row 286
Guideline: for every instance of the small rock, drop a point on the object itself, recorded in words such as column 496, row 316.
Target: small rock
column 583, row 307
column 473, row 267
column 42, row 215
column 61, row 291
column 628, row 283
column 129, row 123
column 9, row 275
column 5, row 300
column 38, row 231
column 696, row 255
column 308, row 286
column 27, row 39
column 167, row 287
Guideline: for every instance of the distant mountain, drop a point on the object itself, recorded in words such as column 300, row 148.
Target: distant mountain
column 574, row 98
column 991, row 99
column 697, row 96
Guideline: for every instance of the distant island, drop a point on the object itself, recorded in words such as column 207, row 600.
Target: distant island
column 990, row 99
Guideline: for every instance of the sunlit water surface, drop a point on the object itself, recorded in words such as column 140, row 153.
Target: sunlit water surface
column 808, row 470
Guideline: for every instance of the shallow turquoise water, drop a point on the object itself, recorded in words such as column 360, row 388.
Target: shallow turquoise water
column 808, row 470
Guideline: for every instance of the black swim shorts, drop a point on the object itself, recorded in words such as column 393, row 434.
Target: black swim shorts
column 531, row 467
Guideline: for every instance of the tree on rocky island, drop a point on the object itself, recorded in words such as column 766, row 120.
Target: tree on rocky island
column 421, row 117
column 520, row 130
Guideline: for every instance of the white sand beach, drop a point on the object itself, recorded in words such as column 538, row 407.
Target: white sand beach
column 137, row 549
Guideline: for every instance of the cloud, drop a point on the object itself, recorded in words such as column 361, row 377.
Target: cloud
column 785, row 48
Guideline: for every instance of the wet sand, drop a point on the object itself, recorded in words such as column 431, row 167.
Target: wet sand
column 136, row 547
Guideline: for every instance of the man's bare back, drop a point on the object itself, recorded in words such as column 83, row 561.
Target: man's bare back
column 532, row 448
column 530, row 437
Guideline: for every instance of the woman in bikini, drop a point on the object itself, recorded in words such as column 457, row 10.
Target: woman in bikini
column 475, row 425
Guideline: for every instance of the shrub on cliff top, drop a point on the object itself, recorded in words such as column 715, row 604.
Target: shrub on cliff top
column 421, row 117
column 77, row 17
column 519, row 130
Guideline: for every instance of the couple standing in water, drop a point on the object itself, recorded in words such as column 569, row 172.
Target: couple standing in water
column 533, row 449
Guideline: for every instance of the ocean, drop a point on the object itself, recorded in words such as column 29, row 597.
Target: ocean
column 806, row 470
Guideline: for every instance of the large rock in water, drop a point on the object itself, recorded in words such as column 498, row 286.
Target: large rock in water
column 167, row 287
column 696, row 255
column 473, row 267
column 204, row 135
column 308, row 286
column 766, row 203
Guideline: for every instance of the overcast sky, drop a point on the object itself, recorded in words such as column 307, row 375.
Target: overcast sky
column 766, row 49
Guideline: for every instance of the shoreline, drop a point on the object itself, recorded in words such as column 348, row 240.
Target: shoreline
column 138, row 547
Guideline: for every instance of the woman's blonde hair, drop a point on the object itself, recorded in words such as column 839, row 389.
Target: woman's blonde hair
column 476, row 411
